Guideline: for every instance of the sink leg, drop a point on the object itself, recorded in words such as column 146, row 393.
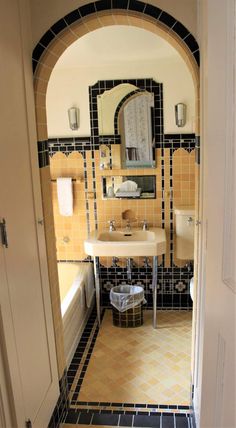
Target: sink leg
column 97, row 288
column 154, row 290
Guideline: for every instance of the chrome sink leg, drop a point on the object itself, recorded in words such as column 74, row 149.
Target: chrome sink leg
column 97, row 288
column 154, row 290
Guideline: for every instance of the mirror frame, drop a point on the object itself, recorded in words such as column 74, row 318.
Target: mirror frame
column 147, row 85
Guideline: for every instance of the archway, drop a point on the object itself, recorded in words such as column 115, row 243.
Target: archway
column 51, row 46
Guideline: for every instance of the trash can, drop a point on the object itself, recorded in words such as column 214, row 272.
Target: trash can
column 127, row 305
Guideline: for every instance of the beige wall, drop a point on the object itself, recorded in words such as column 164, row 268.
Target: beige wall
column 68, row 87
column 46, row 12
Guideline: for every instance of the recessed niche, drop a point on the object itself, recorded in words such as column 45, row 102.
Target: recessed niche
column 129, row 187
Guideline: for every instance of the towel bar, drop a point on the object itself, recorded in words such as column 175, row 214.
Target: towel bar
column 79, row 179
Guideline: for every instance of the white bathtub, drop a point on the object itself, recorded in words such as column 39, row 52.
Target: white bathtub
column 74, row 279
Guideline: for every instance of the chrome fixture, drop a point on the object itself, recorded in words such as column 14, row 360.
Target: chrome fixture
column 114, row 261
column 111, row 225
column 180, row 114
column 190, row 220
column 146, row 262
column 128, row 226
column 145, row 224
column 73, row 114
column 129, row 267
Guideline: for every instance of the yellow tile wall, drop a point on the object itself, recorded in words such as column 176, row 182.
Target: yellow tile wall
column 75, row 227
column 70, row 231
column 184, row 182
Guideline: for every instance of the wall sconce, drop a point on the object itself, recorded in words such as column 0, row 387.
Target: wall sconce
column 73, row 114
column 180, row 114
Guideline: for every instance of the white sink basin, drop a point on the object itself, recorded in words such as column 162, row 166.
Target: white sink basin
column 126, row 243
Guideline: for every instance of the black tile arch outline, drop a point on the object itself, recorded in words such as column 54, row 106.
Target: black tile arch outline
column 100, row 6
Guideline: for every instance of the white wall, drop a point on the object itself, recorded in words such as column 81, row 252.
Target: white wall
column 68, row 87
column 46, row 12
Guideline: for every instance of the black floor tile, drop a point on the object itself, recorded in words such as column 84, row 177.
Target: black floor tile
column 181, row 422
column 168, row 421
column 85, row 418
column 72, row 417
column 147, row 421
column 126, row 421
column 103, row 419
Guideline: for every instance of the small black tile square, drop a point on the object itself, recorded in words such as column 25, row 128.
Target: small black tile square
column 47, row 38
column 85, row 418
column 147, row 421
column 38, row 50
column 105, row 419
column 136, row 5
column 119, row 4
column 58, row 26
column 180, row 29
column 168, row 421
column 153, row 11
column 181, row 422
column 126, row 420
column 167, row 19
column 72, row 17
column 191, row 42
column 103, row 5
column 71, row 417
column 87, row 9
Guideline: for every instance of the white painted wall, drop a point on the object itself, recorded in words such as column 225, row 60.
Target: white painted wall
column 46, row 12
column 69, row 87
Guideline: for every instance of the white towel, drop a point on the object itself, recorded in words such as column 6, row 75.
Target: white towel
column 65, row 196
column 128, row 186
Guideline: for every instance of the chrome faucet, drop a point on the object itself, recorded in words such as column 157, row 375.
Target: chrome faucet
column 128, row 226
column 112, row 225
column 145, row 224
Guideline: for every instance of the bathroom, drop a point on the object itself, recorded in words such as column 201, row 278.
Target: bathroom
column 91, row 157
column 33, row 365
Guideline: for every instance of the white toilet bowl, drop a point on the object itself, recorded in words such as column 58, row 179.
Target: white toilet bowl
column 191, row 287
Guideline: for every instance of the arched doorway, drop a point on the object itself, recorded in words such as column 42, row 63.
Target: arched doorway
column 50, row 48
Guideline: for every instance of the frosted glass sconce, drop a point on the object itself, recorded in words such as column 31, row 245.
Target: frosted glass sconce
column 180, row 114
column 73, row 114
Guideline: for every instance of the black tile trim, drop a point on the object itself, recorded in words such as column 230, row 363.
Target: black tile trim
column 102, row 5
column 43, row 154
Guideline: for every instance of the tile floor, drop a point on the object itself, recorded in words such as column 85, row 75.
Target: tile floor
column 133, row 376
column 141, row 365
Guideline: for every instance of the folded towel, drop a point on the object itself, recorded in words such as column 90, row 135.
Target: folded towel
column 128, row 194
column 65, row 196
column 128, row 186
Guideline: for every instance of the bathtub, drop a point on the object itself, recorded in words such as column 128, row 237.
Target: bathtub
column 76, row 284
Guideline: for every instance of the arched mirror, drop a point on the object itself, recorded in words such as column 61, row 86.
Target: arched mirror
column 135, row 126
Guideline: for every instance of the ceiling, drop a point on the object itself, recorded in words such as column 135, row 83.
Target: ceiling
column 115, row 44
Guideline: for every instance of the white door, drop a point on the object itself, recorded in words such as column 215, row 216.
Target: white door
column 215, row 376
column 26, row 327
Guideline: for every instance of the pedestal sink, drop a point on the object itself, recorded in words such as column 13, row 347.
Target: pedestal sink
column 123, row 243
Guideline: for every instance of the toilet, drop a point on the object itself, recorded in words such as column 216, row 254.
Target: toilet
column 191, row 287
column 185, row 217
